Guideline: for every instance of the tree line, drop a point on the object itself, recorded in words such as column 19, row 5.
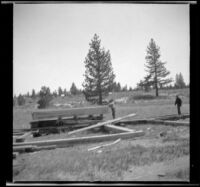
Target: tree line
column 99, row 77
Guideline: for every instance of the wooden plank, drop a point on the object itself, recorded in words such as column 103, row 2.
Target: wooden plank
column 117, row 129
column 81, row 140
column 41, row 114
column 102, row 123
column 105, row 145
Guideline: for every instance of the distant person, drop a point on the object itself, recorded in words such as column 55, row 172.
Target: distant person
column 178, row 102
column 112, row 106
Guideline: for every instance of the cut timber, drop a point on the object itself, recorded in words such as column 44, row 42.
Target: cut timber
column 117, row 129
column 97, row 147
column 22, row 149
column 166, row 122
column 38, row 148
column 102, row 123
column 47, row 113
column 177, row 123
column 91, row 139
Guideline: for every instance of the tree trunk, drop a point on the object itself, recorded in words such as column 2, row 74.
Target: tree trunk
column 156, row 82
column 100, row 97
column 156, row 90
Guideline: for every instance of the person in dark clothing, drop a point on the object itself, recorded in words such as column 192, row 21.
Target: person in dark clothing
column 112, row 106
column 178, row 102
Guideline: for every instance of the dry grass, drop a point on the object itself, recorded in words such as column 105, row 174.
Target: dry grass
column 77, row 164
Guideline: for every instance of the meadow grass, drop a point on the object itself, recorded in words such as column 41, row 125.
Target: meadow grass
column 77, row 164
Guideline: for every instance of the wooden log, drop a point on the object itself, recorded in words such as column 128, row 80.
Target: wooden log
column 177, row 123
column 22, row 149
column 102, row 123
column 117, row 129
column 91, row 139
column 38, row 148
column 49, row 113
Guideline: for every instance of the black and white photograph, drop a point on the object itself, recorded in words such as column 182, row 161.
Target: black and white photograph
column 101, row 92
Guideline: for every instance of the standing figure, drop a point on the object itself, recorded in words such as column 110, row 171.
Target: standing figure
column 112, row 106
column 178, row 102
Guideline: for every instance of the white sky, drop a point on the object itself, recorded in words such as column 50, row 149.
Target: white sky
column 51, row 41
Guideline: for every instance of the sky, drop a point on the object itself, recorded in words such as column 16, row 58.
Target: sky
column 51, row 41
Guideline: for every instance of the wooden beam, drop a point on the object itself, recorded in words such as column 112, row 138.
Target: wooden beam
column 167, row 122
column 102, row 123
column 49, row 113
column 117, row 129
column 81, row 140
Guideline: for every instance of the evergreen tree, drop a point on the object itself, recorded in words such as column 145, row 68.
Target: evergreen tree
column 73, row 89
column 155, row 68
column 125, row 88
column 45, row 97
column 55, row 93
column 119, row 87
column 60, row 92
column 179, row 81
column 99, row 76
column 65, row 92
column 33, row 95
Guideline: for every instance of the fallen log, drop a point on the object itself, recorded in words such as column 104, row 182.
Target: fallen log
column 91, row 139
column 101, row 124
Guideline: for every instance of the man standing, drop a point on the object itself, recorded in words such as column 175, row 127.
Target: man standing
column 178, row 102
column 111, row 105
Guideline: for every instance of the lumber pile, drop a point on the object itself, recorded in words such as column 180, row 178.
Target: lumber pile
column 101, row 124
column 51, row 114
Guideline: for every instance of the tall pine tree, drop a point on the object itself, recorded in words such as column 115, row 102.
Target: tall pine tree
column 179, row 81
column 155, row 68
column 99, row 76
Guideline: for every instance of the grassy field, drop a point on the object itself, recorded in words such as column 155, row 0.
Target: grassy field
column 118, row 162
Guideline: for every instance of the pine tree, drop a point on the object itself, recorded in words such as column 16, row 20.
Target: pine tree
column 45, row 97
column 179, row 81
column 65, row 92
column 60, row 92
column 99, row 76
column 155, row 68
column 33, row 95
column 73, row 89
